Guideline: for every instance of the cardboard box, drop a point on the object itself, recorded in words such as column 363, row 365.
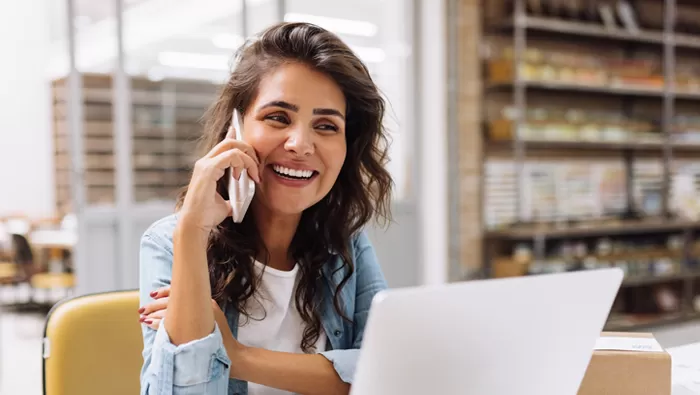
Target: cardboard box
column 627, row 364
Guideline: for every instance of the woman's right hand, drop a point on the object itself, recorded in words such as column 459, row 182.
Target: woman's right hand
column 203, row 207
column 151, row 314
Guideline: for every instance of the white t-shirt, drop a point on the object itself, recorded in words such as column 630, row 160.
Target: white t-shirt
column 274, row 322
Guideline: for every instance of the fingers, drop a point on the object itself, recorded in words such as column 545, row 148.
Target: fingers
column 238, row 160
column 228, row 144
column 159, row 304
column 145, row 320
column 160, row 314
column 161, row 292
column 152, row 320
column 154, row 324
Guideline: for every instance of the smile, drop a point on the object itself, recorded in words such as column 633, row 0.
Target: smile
column 293, row 174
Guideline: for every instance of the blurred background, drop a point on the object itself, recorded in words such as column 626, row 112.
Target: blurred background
column 529, row 136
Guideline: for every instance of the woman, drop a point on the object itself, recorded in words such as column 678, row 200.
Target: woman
column 277, row 303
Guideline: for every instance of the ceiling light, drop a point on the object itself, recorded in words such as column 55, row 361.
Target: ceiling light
column 194, row 60
column 369, row 54
column 336, row 25
column 227, row 41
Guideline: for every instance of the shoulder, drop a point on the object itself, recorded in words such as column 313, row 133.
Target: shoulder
column 156, row 256
column 360, row 242
column 364, row 256
column 160, row 233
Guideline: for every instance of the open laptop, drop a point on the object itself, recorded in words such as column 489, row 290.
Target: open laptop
column 517, row 336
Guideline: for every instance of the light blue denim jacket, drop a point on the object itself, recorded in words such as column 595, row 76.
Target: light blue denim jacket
column 202, row 366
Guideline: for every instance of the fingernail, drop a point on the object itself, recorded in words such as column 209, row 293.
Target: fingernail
column 142, row 309
column 142, row 318
column 154, row 293
column 148, row 322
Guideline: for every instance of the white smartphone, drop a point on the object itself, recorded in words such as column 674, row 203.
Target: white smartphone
column 240, row 191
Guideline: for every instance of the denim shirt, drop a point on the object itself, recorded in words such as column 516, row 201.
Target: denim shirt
column 202, row 366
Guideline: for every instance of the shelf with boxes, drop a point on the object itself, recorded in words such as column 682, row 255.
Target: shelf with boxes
column 661, row 266
column 591, row 134
column 166, row 124
column 585, row 130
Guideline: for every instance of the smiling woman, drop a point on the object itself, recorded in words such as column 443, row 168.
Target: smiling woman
column 278, row 302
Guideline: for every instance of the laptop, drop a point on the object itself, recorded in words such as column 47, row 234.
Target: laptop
column 531, row 335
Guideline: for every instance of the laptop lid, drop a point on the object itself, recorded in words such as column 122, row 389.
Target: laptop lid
column 526, row 335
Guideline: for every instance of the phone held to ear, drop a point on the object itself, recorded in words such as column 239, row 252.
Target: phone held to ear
column 240, row 191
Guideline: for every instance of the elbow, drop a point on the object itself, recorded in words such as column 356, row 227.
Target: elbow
column 342, row 388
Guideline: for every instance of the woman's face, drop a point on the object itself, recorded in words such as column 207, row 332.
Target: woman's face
column 296, row 124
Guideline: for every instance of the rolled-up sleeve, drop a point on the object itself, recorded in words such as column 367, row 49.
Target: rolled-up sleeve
column 344, row 362
column 370, row 280
column 198, row 367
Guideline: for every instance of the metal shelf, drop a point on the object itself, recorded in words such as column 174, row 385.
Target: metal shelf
column 544, row 24
column 616, row 324
column 591, row 229
column 579, row 145
column 637, row 281
column 508, row 81
column 593, row 30
column 608, row 90
column 592, row 146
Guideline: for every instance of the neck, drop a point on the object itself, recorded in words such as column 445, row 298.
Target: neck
column 277, row 232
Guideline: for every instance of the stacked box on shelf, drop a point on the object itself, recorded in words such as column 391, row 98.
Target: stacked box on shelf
column 166, row 123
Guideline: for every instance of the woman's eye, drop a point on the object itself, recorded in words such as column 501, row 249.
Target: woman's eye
column 327, row 127
column 278, row 118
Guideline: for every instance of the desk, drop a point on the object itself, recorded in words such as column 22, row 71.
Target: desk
column 686, row 369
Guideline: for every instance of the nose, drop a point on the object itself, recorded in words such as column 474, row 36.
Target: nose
column 300, row 141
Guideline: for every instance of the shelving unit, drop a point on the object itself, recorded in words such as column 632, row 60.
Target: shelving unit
column 605, row 90
column 166, row 126
column 516, row 76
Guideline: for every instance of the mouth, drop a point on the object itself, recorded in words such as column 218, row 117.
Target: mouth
column 293, row 174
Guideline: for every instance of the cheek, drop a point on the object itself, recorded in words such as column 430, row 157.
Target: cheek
column 334, row 157
column 263, row 143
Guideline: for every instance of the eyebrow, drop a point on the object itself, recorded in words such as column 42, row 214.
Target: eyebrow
column 292, row 107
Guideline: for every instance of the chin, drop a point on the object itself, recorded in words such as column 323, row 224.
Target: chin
column 288, row 207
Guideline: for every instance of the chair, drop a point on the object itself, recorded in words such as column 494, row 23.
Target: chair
column 92, row 345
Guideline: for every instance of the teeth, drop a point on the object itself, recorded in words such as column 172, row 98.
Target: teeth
column 292, row 172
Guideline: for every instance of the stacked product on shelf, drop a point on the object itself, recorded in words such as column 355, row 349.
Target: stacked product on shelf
column 574, row 125
column 592, row 134
column 165, row 123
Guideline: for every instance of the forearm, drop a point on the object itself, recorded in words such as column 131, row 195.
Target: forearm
column 190, row 316
column 306, row 374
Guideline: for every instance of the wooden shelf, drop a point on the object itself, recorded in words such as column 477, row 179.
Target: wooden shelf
column 591, row 229
column 164, row 142
column 141, row 98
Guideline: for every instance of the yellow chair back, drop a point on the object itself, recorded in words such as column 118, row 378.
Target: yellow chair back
column 92, row 345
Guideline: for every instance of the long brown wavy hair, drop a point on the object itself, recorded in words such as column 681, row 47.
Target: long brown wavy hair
column 361, row 192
